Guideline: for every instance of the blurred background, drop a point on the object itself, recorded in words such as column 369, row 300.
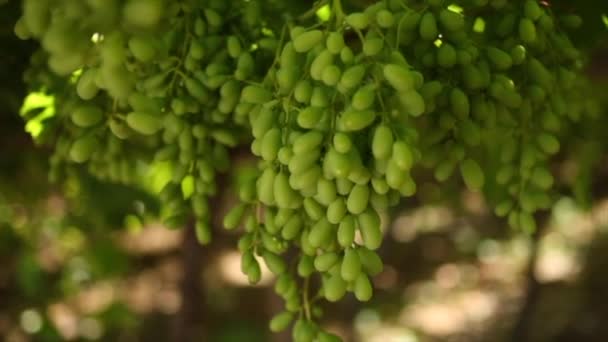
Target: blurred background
column 85, row 260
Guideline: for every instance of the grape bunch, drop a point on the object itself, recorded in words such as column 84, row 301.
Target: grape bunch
column 334, row 126
column 152, row 84
column 347, row 116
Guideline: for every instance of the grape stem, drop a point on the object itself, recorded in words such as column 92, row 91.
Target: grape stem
column 339, row 13
column 305, row 298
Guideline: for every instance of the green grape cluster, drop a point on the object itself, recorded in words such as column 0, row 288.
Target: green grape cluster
column 333, row 125
column 167, row 85
column 346, row 116
column 502, row 80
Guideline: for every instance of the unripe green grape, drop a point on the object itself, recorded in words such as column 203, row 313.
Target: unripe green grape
column 548, row 143
column 382, row 142
column 87, row 115
column 346, row 55
column 254, row 273
column 451, row 21
column 355, row 120
column 358, row 199
column 284, row 195
column 203, row 232
column 274, row 262
column 301, row 163
column 363, row 288
column 385, row 19
column 86, row 88
column 444, row 170
column 500, row 59
column 319, row 97
column 342, row 142
column 234, row 46
column 119, row 128
column 351, row 265
column 335, row 42
column 358, row 21
column 307, row 40
column 331, row 75
column 307, row 142
column 394, row 175
column 255, row 94
column 346, row 231
column 428, row 26
column 532, row 10
column 282, row 216
column 334, row 288
column 265, row 186
column 83, row 147
column 527, row 31
column 303, row 92
column 307, row 179
column 398, row 77
column 281, row 321
column 313, row 209
column 459, row 102
column 472, row 174
column 446, row 55
column 370, row 261
column 292, row 228
column 271, row 144
column 234, row 216
column 304, row 331
column 286, row 78
column 402, row 155
column 264, row 121
column 144, row 123
column 372, row 46
column 322, row 61
column 326, row 191
column 142, row 48
column 352, row 76
column 337, row 164
column 518, row 54
column 369, row 226
column 413, row 102
column 321, row 233
column 306, row 266
column 336, row 211
column 325, row 261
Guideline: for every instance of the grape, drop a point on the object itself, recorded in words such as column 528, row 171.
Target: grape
column 428, row 26
column 369, row 226
column 144, row 123
column 472, row 174
column 355, row 120
column 83, row 148
column 398, row 77
column 382, row 142
column 527, row 31
column 451, row 21
column 351, row 265
column 359, row 21
column 281, row 321
column 307, row 40
column 87, row 115
column 325, row 261
column 334, row 288
column 363, row 288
